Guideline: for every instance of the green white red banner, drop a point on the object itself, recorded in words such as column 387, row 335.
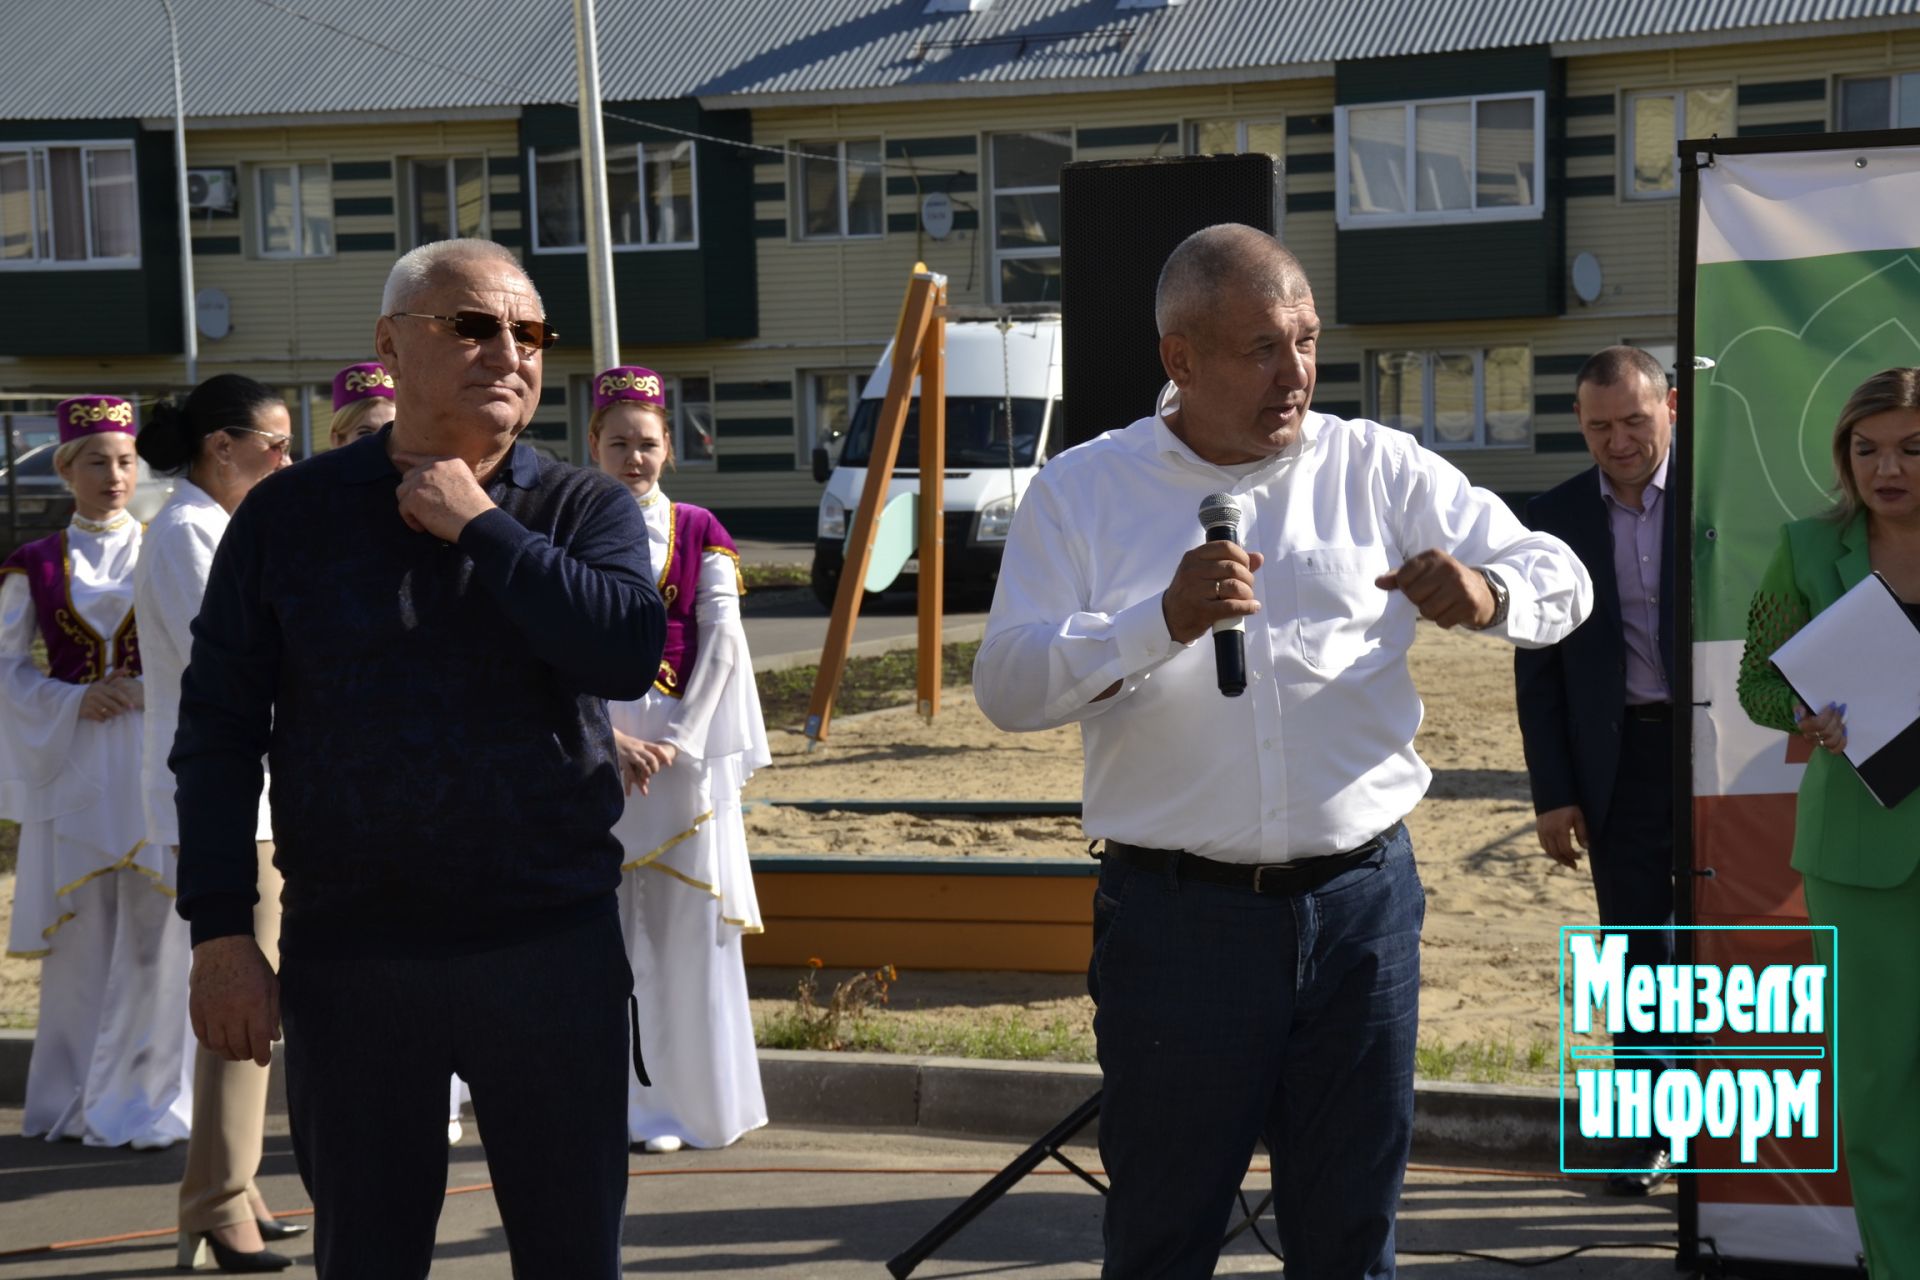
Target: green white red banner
column 1806, row 282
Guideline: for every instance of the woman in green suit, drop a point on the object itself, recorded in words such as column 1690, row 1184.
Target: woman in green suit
column 1856, row 859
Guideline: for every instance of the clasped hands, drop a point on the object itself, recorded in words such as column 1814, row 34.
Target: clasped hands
column 120, row 692
column 1215, row 581
column 640, row 760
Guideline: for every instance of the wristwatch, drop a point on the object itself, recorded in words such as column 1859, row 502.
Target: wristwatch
column 1499, row 590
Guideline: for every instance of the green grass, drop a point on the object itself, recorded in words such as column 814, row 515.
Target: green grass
column 868, row 684
column 9, row 847
column 1003, row 1037
column 1487, row 1062
column 775, row 577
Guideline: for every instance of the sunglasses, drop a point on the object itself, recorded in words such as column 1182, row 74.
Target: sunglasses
column 478, row 326
column 276, row 442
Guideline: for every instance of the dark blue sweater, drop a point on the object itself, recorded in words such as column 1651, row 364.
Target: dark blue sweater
column 434, row 713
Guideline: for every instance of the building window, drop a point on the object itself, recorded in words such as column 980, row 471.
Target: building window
column 1452, row 160
column 831, row 397
column 1237, row 137
column 690, row 409
column 448, row 198
column 67, row 206
column 651, row 197
column 1880, row 102
column 843, row 189
column 1655, row 124
column 1025, row 177
column 1463, row 399
column 296, row 210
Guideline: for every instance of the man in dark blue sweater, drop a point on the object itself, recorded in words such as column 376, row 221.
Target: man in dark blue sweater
column 419, row 631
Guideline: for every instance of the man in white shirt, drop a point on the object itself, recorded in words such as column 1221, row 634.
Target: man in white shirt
column 1257, row 926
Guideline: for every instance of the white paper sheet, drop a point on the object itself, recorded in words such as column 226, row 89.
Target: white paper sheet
column 1862, row 652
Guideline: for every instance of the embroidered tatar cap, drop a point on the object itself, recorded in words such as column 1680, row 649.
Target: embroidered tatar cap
column 629, row 382
column 361, row 382
column 90, row 415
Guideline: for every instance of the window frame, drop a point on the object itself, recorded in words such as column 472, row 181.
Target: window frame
column 1629, row 130
column 1427, row 435
column 640, row 147
column 259, row 230
column 995, row 254
column 1347, row 220
column 446, row 162
column 799, row 204
column 675, row 384
column 1893, row 78
column 1240, row 126
column 809, row 434
column 85, row 146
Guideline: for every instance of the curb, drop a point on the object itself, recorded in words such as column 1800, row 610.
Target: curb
column 1022, row 1100
column 957, row 634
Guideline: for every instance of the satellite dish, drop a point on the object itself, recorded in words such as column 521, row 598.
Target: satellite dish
column 1586, row 277
column 936, row 214
column 211, row 312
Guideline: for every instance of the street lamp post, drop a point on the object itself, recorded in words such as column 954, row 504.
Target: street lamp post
column 187, row 315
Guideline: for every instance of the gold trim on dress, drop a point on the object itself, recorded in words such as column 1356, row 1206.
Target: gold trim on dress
column 646, row 859
column 120, row 521
column 739, row 578
column 91, row 876
column 666, row 562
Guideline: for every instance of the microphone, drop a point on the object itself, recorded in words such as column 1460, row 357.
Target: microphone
column 1220, row 517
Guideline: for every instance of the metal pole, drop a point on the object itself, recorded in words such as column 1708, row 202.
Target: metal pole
column 593, row 162
column 187, row 315
column 13, row 486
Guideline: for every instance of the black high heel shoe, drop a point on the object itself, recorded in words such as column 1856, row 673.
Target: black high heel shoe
column 199, row 1248
column 274, row 1229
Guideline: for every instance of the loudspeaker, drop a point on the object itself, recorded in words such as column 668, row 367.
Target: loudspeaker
column 1119, row 219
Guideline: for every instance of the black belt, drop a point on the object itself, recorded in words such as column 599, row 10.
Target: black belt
column 1285, row 878
column 1651, row 712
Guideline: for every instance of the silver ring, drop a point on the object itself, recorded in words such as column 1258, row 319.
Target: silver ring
column 1216, row 588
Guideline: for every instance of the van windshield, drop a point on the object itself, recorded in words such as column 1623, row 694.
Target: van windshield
column 976, row 432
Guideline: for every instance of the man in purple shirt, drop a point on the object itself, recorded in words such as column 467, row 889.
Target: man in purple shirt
column 1596, row 715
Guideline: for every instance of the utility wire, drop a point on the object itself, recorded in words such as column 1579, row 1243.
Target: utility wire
column 521, row 94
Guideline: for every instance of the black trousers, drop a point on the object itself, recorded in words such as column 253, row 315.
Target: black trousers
column 538, row 1030
column 1632, row 859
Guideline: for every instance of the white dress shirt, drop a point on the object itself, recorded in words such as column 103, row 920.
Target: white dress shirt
column 1317, row 755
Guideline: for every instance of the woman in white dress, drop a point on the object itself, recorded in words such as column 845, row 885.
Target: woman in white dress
column 226, row 437
column 686, row 750
column 93, row 899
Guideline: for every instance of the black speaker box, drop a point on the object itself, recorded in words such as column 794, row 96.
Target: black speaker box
column 1119, row 219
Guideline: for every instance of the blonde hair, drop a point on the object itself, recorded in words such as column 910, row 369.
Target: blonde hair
column 65, row 453
column 345, row 420
column 1888, row 391
column 600, row 414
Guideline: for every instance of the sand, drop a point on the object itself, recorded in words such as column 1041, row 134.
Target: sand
column 1494, row 901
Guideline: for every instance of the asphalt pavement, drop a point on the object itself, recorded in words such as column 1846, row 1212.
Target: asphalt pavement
column 787, row 627
column 804, row 1203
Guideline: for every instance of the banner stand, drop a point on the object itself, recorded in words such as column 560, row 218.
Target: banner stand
column 1774, row 1224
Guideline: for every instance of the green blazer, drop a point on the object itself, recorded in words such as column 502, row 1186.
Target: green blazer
column 1841, row 832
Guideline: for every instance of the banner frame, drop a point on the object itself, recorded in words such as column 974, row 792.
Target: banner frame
column 1696, row 154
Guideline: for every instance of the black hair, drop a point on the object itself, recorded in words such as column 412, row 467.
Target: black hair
column 1606, row 368
column 176, row 428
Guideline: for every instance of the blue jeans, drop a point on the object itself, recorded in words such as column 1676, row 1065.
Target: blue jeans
column 1225, row 1017
column 537, row 1028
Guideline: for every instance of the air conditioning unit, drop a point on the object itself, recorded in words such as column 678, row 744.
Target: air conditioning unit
column 210, row 189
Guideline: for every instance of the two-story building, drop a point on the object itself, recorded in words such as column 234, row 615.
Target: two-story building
column 1482, row 194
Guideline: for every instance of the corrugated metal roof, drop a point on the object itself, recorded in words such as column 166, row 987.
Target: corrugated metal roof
column 100, row 59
